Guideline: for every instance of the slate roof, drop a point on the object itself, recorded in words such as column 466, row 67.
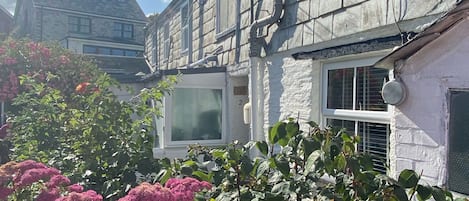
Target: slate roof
column 123, row 69
column 128, row 9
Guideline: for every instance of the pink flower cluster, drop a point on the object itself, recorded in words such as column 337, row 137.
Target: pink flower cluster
column 9, row 88
column 17, row 176
column 174, row 190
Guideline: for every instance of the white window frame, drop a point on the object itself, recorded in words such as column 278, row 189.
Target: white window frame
column 383, row 117
column 195, row 81
column 219, row 32
column 380, row 117
column 185, row 40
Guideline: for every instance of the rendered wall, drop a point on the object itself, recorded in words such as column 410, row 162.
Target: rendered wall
column 420, row 124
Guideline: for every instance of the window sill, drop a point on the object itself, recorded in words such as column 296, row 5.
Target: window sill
column 224, row 34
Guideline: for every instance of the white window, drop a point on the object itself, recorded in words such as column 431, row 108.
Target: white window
column 226, row 16
column 185, row 27
column 352, row 100
column 166, row 48
column 458, row 153
column 195, row 112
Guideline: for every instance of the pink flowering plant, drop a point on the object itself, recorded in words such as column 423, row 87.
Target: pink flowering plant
column 30, row 180
column 175, row 189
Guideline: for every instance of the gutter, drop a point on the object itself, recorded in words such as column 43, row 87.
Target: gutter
column 254, row 39
column 256, row 71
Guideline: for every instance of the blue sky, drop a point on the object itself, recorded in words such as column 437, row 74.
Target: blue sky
column 153, row 6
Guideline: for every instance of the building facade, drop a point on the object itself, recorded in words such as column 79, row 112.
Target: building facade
column 6, row 21
column 102, row 29
column 271, row 60
column 430, row 122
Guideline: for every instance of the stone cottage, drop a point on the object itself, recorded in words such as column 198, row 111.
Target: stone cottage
column 258, row 62
column 110, row 31
column 429, row 125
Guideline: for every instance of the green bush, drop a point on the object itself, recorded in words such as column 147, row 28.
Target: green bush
column 297, row 165
column 64, row 114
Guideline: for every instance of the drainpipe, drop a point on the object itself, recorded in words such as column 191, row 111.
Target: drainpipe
column 256, row 74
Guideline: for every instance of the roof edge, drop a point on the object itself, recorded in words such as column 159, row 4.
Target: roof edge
column 432, row 32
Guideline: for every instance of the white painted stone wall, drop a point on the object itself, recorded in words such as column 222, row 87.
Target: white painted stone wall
column 291, row 89
column 420, row 124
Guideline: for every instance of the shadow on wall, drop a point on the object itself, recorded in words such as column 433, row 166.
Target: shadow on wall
column 274, row 72
column 283, row 33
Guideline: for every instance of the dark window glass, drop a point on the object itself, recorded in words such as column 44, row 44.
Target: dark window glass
column 458, row 157
column 90, row 49
column 374, row 139
column 368, row 82
column 79, row 24
column 122, row 30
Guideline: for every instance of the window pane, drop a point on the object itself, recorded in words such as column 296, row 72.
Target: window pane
column 185, row 38
column 374, row 139
column 226, row 14
column 127, row 35
column 130, row 53
column 370, row 81
column 184, row 15
column 84, row 21
column 196, row 114
column 89, row 49
column 458, row 157
column 118, row 52
column 340, row 89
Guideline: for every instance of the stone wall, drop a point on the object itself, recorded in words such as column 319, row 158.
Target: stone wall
column 56, row 27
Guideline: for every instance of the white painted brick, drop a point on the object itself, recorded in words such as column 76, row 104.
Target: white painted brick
column 422, row 138
column 402, row 164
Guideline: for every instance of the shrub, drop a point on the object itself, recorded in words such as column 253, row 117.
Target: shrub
column 64, row 114
column 297, row 165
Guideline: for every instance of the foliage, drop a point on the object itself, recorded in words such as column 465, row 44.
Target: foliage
column 66, row 115
column 296, row 165
column 30, row 180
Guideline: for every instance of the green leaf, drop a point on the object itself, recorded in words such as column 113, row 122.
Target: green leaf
column 262, row 147
column 341, row 162
column 292, row 129
column 438, row 194
column 408, row 178
column 281, row 188
column 277, row 132
column 312, row 158
column 283, row 165
column 203, row 176
column 262, row 168
column 424, row 192
column 218, row 153
column 400, row 194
